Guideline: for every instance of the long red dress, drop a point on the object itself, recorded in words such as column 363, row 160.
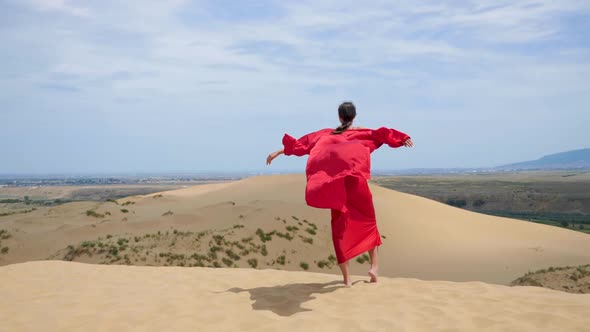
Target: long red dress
column 337, row 170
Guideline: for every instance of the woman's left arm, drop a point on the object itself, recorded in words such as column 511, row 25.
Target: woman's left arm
column 408, row 143
column 392, row 137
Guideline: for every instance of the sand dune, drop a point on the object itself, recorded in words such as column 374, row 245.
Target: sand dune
column 422, row 238
column 69, row 296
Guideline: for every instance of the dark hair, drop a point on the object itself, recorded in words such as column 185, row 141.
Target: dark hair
column 347, row 112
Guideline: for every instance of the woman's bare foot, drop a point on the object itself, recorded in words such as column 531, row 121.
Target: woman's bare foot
column 373, row 274
column 345, row 275
column 347, row 282
column 374, row 264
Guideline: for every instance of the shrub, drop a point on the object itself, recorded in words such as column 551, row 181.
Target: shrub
column 310, row 231
column 253, row 262
column 287, row 236
column 264, row 236
column 227, row 261
column 306, row 239
column 92, row 213
column 218, row 239
column 304, row 266
column 281, row 260
column 232, row 255
column 457, row 202
column 4, row 250
column 479, row 203
column 322, row 264
column 263, row 250
column 169, row 213
column 4, row 234
column 124, row 210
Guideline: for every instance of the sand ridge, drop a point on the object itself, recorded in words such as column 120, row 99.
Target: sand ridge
column 70, row 296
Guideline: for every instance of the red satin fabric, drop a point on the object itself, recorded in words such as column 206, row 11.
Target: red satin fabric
column 337, row 171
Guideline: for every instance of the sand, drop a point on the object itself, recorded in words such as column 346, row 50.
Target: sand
column 70, row 296
column 442, row 268
column 422, row 238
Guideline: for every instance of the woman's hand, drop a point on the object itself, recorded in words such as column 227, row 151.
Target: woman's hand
column 408, row 143
column 273, row 156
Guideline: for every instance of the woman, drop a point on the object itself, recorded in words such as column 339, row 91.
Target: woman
column 337, row 170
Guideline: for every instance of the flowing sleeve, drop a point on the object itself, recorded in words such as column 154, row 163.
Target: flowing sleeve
column 301, row 146
column 389, row 136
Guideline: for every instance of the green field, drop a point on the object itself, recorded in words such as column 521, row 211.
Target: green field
column 554, row 198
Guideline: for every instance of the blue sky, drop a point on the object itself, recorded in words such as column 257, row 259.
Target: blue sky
column 192, row 86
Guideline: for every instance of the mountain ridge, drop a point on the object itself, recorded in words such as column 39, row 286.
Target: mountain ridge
column 562, row 160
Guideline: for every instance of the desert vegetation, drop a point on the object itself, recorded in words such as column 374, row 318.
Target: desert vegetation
column 571, row 279
column 363, row 258
column 234, row 246
column 92, row 213
column 10, row 213
column 4, row 235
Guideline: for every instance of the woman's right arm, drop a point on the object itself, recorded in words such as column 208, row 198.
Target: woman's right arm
column 274, row 155
column 297, row 147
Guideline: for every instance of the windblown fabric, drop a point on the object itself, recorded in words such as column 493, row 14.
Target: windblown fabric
column 337, row 171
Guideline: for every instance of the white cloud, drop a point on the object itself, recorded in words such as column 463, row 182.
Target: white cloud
column 329, row 44
column 59, row 5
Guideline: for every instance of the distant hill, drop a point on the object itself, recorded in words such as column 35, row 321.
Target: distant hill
column 564, row 160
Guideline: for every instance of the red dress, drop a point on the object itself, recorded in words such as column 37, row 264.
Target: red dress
column 337, row 172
